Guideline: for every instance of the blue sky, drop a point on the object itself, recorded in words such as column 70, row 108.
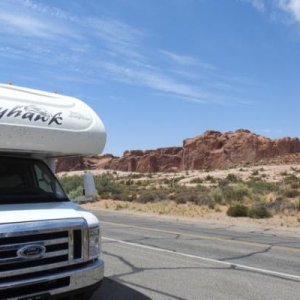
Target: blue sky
column 159, row 71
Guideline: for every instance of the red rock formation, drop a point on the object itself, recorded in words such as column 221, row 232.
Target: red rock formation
column 160, row 160
column 212, row 149
column 83, row 163
column 219, row 150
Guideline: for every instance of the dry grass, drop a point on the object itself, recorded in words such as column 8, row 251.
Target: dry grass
column 166, row 207
column 284, row 221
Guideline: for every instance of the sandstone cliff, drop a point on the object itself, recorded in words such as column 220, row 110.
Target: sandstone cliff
column 211, row 150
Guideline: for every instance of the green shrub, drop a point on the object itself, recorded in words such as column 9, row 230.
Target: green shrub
column 78, row 192
column 223, row 183
column 196, row 180
column 291, row 179
column 183, row 196
column 210, row 178
column 71, row 183
column 216, row 195
column 106, row 185
column 237, row 211
column 295, row 185
column 146, row 197
column 297, row 205
column 232, row 178
column 203, row 199
column 173, row 182
column 137, row 175
column 259, row 212
column 291, row 193
column 235, row 193
column 262, row 187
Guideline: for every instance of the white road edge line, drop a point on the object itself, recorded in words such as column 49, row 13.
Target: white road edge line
column 207, row 259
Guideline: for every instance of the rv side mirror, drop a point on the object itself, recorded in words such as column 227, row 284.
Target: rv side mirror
column 89, row 185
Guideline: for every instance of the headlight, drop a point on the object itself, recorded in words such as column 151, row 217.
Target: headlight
column 94, row 242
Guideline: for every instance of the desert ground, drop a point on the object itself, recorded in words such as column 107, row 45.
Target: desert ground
column 287, row 217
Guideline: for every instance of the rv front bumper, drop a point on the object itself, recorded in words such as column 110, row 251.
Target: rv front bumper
column 84, row 279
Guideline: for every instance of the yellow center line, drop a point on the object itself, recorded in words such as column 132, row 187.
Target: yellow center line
column 206, row 237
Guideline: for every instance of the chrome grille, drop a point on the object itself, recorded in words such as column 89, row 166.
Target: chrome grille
column 63, row 241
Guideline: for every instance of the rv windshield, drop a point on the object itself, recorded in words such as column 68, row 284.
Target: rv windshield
column 24, row 180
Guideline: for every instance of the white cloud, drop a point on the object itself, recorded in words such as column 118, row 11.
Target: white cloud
column 161, row 82
column 119, row 36
column 156, row 81
column 30, row 26
column 292, row 7
column 107, row 49
column 45, row 9
column 186, row 60
column 258, row 4
column 20, row 19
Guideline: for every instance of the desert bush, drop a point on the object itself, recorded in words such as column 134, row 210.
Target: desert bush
column 216, row 195
column 106, row 185
column 183, row 196
column 277, row 205
column 202, row 188
column 137, row 175
column 232, row 178
column 71, row 184
column 281, row 204
column 147, row 196
column 195, row 195
column 203, row 199
column 237, row 211
column 296, row 170
column 262, row 187
column 78, row 192
column 291, row 179
column 223, row 182
column 175, row 180
column 197, row 180
column 284, row 173
column 129, row 182
column 210, row 178
column 258, row 212
column 297, row 205
column 291, row 193
column 125, row 196
column 295, row 185
column 235, row 193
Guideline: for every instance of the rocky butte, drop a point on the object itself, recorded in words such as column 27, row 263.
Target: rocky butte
column 211, row 150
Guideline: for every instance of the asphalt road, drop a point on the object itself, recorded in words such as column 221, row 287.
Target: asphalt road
column 157, row 258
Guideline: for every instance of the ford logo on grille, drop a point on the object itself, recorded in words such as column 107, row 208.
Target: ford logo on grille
column 32, row 252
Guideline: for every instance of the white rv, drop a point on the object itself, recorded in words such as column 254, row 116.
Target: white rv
column 49, row 247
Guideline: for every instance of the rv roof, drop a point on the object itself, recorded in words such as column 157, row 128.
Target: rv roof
column 33, row 121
